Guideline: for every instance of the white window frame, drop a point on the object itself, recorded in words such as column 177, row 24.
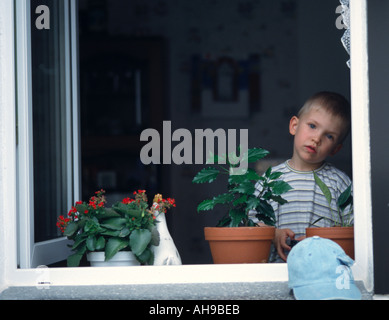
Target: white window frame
column 363, row 268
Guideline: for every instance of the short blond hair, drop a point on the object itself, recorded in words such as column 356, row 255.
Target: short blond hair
column 333, row 103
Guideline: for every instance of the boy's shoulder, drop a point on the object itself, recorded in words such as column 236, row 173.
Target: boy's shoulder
column 282, row 167
column 326, row 170
column 333, row 175
column 329, row 169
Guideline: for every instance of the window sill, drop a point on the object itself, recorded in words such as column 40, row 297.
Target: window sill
column 189, row 291
column 185, row 282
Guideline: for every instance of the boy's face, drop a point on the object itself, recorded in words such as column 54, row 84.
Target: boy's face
column 316, row 136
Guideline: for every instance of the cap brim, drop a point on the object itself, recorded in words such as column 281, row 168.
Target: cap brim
column 327, row 291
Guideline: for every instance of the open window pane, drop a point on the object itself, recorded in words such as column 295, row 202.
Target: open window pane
column 50, row 122
column 47, row 127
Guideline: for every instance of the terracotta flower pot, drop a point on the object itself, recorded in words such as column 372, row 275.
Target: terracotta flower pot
column 343, row 236
column 240, row 245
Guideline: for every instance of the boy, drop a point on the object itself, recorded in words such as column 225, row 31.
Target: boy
column 319, row 129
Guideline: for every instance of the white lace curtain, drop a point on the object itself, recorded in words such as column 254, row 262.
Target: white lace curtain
column 346, row 21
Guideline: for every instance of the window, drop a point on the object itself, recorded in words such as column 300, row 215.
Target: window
column 171, row 274
column 47, row 123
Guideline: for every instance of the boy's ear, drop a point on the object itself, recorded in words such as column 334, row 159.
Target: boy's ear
column 336, row 149
column 293, row 125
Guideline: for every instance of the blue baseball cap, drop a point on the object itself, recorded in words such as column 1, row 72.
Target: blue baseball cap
column 319, row 269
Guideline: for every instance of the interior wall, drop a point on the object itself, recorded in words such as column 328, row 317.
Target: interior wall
column 300, row 53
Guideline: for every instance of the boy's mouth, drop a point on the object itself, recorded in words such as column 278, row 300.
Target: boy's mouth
column 310, row 149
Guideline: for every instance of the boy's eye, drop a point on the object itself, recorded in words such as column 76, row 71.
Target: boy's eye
column 330, row 136
column 311, row 125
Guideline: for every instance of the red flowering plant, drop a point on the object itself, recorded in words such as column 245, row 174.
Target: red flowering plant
column 128, row 225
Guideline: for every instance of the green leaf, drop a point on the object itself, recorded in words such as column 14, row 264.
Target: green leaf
column 250, row 174
column 110, row 233
column 345, row 198
column 245, row 187
column 251, row 223
column 100, row 243
column 136, row 213
column 120, row 207
column 323, row 188
column 236, row 217
column 224, row 222
column 91, row 225
column 71, row 228
column 223, row 198
column 139, row 240
column 74, row 260
column 124, row 232
column 256, row 154
column 126, row 210
column 265, row 210
column 205, row 205
column 278, row 199
column 91, row 243
column 206, row 175
column 113, row 246
column 109, row 213
column 265, row 219
column 147, row 257
column 240, row 200
column 268, row 172
column 275, row 175
column 81, row 207
column 252, row 203
column 280, row 187
column 114, row 223
column 80, row 239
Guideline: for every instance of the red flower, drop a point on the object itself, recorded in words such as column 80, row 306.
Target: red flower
column 171, row 201
column 71, row 211
column 92, row 204
column 62, row 222
column 100, row 192
column 127, row 200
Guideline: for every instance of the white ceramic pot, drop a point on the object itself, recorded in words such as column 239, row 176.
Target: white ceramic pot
column 122, row 258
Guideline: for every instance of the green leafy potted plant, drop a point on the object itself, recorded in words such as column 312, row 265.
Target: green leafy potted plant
column 129, row 226
column 342, row 230
column 237, row 238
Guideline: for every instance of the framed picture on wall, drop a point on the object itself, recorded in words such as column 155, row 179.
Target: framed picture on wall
column 225, row 87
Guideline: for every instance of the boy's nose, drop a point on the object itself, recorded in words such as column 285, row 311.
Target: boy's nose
column 316, row 139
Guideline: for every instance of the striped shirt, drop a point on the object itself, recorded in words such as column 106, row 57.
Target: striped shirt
column 306, row 201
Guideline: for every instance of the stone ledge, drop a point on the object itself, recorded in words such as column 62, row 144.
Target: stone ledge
column 195, row 291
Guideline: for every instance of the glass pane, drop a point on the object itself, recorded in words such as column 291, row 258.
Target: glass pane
column 50, row 121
